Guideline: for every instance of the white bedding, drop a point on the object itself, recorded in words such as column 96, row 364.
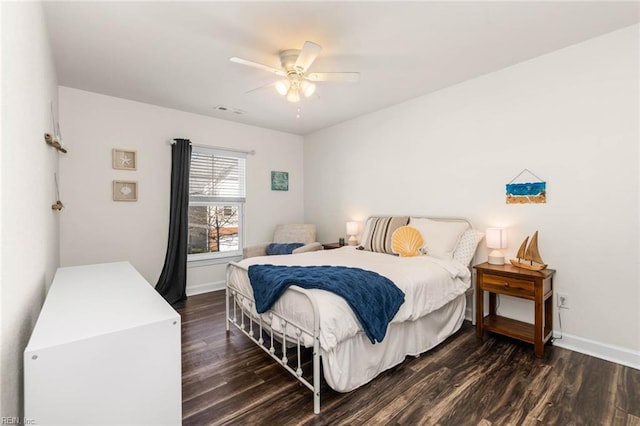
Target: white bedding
column 428, row 284
column 356, row 361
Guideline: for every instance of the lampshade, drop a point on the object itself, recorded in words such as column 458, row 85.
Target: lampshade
column 293, row 95
column 308, row 88
column 496, row 239
column 282, row 87
column 352, row 230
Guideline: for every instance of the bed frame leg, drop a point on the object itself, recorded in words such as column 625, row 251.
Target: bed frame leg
column 316, row 375
column 226, row 300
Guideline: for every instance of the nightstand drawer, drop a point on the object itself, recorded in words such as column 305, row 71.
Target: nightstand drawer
column 507, row 285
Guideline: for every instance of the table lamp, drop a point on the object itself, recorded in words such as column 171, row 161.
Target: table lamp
column 496, row 239
column 352, row 231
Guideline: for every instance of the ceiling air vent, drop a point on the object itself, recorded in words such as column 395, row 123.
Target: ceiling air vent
column 224, row 108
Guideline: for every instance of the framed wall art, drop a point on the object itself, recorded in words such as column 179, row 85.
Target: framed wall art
column 124, row 159
column 526, row 188
column 125, row 190
column 279, row 181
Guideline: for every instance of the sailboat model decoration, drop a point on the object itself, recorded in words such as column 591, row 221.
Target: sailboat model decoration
column 529, row 256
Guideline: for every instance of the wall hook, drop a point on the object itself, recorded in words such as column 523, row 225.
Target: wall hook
column 54, row 143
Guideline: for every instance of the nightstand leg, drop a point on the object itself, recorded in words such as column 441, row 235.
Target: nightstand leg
column 548, row 316
column 492, row 303
column 538, row 325
column 479, row 310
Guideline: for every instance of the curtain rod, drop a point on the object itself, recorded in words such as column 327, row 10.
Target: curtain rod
column 252, row 152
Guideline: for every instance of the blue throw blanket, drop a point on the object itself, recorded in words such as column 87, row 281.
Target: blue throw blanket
column 374, row 299
column 285, row 248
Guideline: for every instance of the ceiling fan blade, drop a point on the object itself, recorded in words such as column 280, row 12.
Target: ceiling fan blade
column 257, row 65
column 308, row 54
column 260, row 87
column 351, row 77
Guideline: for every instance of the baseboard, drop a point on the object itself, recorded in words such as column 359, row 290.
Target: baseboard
column 600, row 350
column 205, row 288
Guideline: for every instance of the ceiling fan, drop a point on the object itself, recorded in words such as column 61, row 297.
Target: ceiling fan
column 295, row 63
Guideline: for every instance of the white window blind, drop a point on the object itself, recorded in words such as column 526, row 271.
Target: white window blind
column 217, row 176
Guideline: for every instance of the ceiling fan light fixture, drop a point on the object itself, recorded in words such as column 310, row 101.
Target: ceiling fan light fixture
column 282, row 86
column 295, row 82
column 293, row 95
column 308, row 88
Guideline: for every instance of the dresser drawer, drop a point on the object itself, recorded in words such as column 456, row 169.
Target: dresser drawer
column 507, row 285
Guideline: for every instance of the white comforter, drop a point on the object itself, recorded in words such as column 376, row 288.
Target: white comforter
column 427, row 283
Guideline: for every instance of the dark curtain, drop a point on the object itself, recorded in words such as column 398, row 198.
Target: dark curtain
column 173, row 279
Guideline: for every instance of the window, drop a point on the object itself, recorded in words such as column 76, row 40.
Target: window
column 216, row 202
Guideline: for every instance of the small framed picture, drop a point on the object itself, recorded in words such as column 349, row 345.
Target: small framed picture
column 124, row 159
column 125, row 190
column 279, row 181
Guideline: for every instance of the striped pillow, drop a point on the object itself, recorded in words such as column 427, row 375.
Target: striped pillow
column 379, row 231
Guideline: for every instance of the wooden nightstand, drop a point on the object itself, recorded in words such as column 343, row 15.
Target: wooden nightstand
column 331, row 246
column 536, row 286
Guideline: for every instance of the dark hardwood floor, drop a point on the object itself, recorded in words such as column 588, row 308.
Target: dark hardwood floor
column 226, row 379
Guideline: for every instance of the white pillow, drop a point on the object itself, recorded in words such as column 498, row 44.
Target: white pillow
column 467, row 246
column 440, row 237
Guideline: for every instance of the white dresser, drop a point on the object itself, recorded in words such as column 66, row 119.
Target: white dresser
column 105, row 351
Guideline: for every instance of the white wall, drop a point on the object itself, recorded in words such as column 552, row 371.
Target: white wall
column 96, row 229
column 571, row 117
column 29, row 227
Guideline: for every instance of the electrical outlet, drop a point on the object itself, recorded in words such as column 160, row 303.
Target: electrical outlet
column 563, row 301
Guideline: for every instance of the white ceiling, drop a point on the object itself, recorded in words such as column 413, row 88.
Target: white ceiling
column 176, row 54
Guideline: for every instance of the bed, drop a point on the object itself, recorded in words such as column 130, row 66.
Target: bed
column 435, row 291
